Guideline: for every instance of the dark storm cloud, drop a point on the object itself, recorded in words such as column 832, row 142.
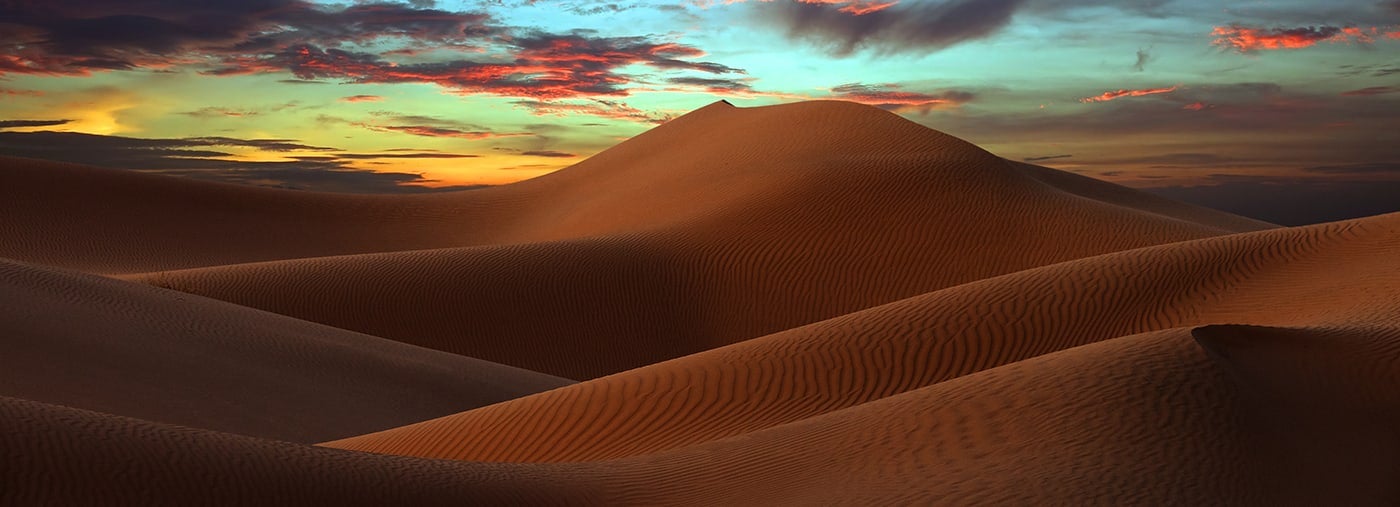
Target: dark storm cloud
column 917, row 26
column 10, row 124
column 192, row 157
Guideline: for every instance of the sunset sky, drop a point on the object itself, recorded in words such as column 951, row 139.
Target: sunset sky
column 381, row 96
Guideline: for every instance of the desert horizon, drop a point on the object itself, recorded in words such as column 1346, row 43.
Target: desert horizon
column 576, row 259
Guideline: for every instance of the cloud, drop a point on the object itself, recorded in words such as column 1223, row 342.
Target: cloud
column 11, row 124
column 548, row 153
column 78, row 37
column 10, row 92
column 714, row 85
column 215, row 112
column 399, row 154
column 1044, row 158
column 1118, row 94
column 891, row 97
column 1374, row 90
column 851, row 7
column 1367, row 168
column 431, row 131
column 362, row 98
column 1247, row 39
column 594, row 107
column 192, row 157
column 361, row 42
column 915, row 26
column 1143, row 57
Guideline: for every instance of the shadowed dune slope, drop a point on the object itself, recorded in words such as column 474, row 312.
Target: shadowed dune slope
column 130, row 349
column 723, row 225
column 1341, row 274
column 1165, row 417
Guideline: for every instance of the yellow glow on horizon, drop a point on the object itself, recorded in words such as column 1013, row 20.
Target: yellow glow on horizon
column 97, row 112
column 486, row 170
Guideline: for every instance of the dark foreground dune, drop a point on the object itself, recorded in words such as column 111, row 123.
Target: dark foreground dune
column 810, row 304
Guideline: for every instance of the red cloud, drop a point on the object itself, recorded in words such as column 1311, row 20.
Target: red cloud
column 1374, row 90
column 362, row 98
column 1245, row 39
column 1113, row 95
column 890, row 97
column 1195, row 106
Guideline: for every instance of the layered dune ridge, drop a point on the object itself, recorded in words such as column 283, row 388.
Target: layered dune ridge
column 809, row 304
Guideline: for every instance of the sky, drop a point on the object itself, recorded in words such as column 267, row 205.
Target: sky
column 379, row 96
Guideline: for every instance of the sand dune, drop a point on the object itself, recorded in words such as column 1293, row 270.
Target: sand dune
column 124, row 348
column 1331, row 274
column 635, row 259
column 1154, row 418
column 808, row 304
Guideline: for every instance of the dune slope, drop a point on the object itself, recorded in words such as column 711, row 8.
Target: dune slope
column 1164, row 417
column 1331, row 274
column 130, row 349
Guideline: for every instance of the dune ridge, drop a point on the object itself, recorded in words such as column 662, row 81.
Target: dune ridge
column 808, row 304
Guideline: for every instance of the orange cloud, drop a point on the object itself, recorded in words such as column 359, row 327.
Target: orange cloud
column 1113, row 95
column 362, row 98
column 1245, row 39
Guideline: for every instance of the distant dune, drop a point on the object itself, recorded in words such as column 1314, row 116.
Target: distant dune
column 812, row 304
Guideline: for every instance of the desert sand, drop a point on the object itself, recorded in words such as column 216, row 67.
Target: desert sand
column 809, row 304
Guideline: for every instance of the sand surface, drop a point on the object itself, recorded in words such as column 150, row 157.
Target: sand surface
column 810, row 304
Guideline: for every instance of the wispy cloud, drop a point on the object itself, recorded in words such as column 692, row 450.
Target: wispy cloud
column 10, row 124
column 892, row 97
column 1118, row 94
column 362, row 98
